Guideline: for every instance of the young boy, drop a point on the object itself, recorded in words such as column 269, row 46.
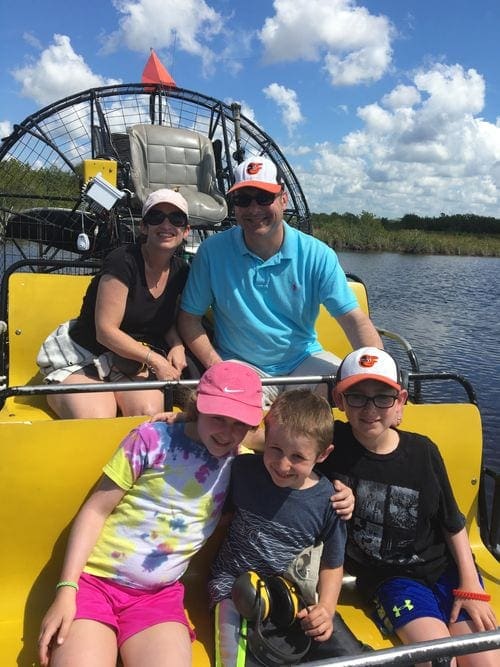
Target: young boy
column 281, row 507
column 407, row 543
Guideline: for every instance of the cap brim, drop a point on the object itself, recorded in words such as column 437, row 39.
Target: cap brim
column 341, row 386
column 219, row 405
column 268, row 187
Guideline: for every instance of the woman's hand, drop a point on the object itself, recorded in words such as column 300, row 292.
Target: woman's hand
column 56, row 623
column 177, row 357
column 343, row 500
column 163, row 368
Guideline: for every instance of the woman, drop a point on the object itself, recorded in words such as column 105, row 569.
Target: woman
column 126, row 327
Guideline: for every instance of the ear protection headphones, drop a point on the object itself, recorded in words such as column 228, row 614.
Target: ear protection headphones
column 258, row 597
column 276, row 600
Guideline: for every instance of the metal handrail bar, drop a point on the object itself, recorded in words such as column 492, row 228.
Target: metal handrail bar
column 402, row 656
column 45, row 389
column 443, row 375
column 405, row 344
column 164, row 385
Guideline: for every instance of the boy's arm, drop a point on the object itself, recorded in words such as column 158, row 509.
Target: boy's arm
column 84, row 533
column 317, row 620
column 481, row 613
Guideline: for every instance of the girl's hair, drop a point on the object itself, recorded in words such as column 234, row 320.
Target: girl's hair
column 190, row 408
column 303, row 413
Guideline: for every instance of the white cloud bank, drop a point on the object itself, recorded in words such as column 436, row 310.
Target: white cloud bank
column 57, row 73
column 422, row 149
column 353, row 44
column 161, row 24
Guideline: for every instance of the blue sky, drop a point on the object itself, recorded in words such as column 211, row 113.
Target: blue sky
column 389, row 106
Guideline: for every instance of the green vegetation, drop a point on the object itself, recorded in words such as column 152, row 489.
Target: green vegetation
column 36, row 187
column 445, row 235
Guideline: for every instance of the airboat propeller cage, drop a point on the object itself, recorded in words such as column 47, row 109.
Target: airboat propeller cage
column 102, row 193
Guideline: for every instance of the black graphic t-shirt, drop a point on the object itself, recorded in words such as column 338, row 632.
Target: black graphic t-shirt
column 404, row 501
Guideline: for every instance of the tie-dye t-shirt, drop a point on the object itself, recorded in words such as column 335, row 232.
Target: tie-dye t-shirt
column 175, row 490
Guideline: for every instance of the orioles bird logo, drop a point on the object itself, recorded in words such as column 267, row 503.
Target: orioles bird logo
column 254, row 168
column 368, row 360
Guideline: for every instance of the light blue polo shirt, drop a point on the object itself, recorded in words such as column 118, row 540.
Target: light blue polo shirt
column 265, row 311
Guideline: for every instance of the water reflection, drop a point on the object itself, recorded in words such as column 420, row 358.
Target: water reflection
column 447, row 307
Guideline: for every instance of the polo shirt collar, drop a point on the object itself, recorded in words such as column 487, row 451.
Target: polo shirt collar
column 285, row 252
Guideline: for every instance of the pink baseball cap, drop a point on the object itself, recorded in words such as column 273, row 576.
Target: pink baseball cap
column 231, row 389
column 258, row 172
column 165, row 196
column 367, row 363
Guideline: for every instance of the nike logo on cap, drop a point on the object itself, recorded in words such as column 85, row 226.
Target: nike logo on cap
column 226, row 390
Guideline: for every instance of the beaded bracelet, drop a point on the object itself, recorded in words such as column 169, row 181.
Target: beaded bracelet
column 469, row 595
column 71, row 584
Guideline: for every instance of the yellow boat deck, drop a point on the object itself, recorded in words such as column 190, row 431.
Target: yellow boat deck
column 49, row 465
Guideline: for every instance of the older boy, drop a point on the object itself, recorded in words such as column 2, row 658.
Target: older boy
column 407, row 542
column 282, row 506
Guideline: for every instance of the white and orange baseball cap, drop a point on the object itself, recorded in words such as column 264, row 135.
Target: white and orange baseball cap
column 367, row 363
column 258, row 172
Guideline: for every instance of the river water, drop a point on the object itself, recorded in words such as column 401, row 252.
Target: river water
column 449, row 310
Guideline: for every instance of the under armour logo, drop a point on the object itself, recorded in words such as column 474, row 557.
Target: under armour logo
column 407, row 605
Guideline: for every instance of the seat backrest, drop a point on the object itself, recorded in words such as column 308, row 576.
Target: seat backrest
column 48, row 467
column 173, row 157
column 330, row 333
column 36, row 304
column 51, row 467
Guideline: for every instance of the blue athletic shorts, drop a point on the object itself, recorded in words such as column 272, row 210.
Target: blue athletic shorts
column 400, row 600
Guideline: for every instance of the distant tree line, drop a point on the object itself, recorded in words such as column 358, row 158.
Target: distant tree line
column 461, row 234
column 467, row 223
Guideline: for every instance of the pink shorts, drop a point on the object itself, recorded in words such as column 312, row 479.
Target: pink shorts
column 129, row 610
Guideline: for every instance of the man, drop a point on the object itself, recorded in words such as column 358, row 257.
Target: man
column 265, row 282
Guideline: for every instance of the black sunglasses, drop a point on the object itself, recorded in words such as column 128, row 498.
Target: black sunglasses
column 262, row 198
column 156, row 217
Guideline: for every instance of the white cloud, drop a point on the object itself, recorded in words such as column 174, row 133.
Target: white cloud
column 287, row 101
column 401, row 96
column 57, row 73
column 421, row 149
column 353, row 44
column 162, row 24
column 5, row 128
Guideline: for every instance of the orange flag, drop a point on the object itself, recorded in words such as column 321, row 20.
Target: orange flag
column 155, row 72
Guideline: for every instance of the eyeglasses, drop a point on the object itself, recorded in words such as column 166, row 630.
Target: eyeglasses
column 156, row 217
column 382, row 401
column 262, row 198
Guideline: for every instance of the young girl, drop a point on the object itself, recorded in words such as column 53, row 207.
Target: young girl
column 407, row 543
column 159, row 500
